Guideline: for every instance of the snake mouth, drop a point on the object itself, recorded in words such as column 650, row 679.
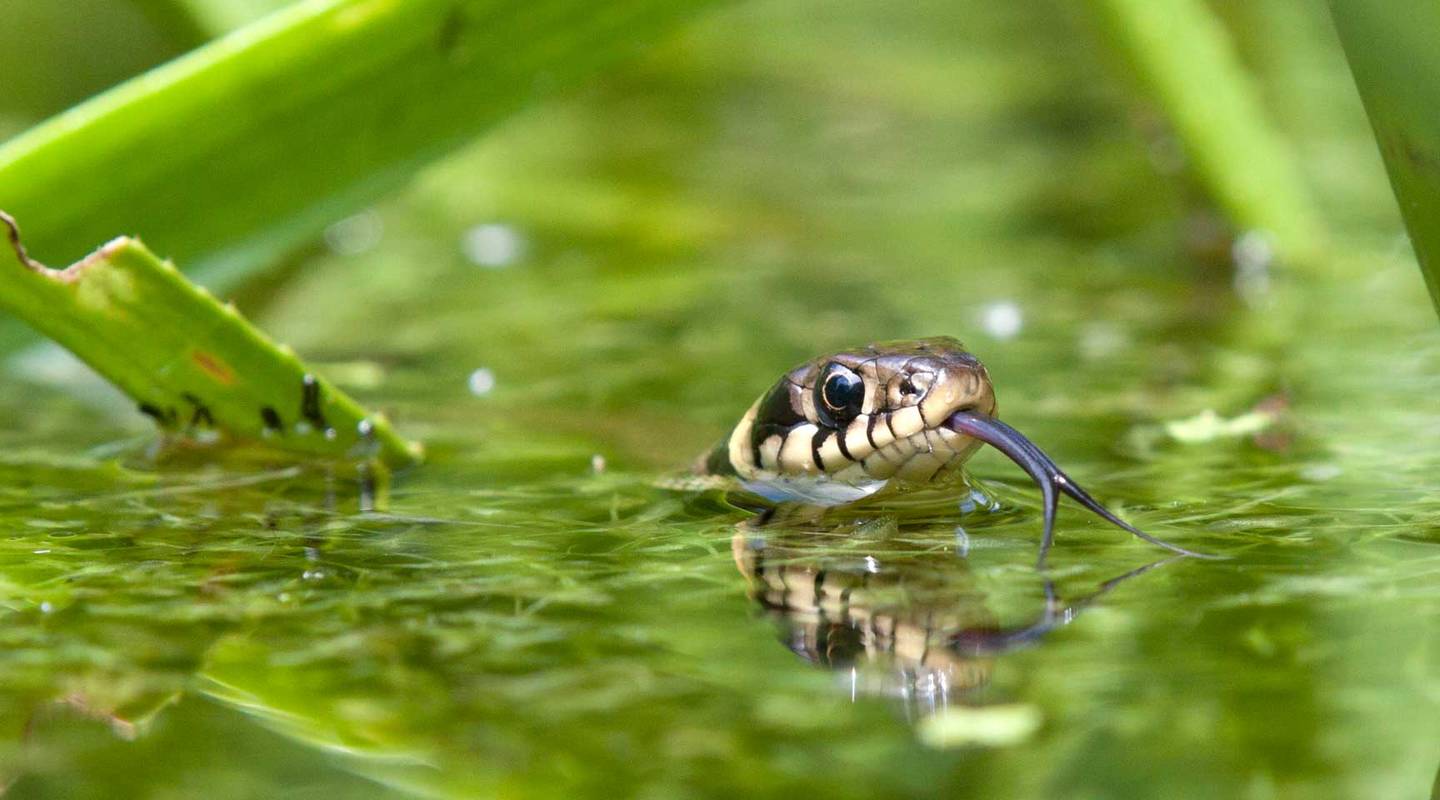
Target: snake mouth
column 1046, row 474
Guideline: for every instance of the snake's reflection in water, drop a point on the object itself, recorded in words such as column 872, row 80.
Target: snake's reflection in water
column 914, row 627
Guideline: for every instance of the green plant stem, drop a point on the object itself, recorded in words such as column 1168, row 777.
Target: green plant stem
column 1185, row 60
column 232, row 154
column 189, row 362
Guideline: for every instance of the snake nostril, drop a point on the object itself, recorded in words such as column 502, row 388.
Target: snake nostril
column 915, row 385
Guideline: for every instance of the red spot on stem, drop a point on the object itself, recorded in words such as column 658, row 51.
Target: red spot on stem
column 213, row 366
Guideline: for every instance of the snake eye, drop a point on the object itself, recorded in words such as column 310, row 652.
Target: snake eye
column 838, row 395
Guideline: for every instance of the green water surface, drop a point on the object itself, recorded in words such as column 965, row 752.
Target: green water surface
column 527, row 614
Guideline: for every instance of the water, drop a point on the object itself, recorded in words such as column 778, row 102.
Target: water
column 531, row 615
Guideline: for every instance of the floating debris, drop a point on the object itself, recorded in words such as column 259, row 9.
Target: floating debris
column 1002, row 320
column 481, row 382
column 1208, row 426
column 984, row 726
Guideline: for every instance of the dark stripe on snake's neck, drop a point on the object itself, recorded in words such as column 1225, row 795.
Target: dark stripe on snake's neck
column 816, row 442
column 840, row 441
column 776, row 414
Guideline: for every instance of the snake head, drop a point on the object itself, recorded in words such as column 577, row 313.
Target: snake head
column 840, row 427
column 866, row 416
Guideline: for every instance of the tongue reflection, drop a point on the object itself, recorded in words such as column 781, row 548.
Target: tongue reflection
column 1046, row 475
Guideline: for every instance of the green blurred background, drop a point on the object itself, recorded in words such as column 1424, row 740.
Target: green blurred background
column 607, row 279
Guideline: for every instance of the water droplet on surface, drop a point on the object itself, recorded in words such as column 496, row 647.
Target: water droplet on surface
column 493, row 245
column 983, row 726
column 1002, row 320
column 481, row 382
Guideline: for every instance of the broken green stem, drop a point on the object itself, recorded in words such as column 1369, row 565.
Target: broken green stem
column 189, row 362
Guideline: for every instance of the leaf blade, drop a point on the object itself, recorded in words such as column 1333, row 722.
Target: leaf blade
column 1391, row 50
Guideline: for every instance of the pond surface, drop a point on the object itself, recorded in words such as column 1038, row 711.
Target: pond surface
column 578, row 306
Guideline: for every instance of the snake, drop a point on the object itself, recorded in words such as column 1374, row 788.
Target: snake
column 844, row 426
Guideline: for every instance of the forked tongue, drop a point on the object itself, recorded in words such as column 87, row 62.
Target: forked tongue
column 1047, row 476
